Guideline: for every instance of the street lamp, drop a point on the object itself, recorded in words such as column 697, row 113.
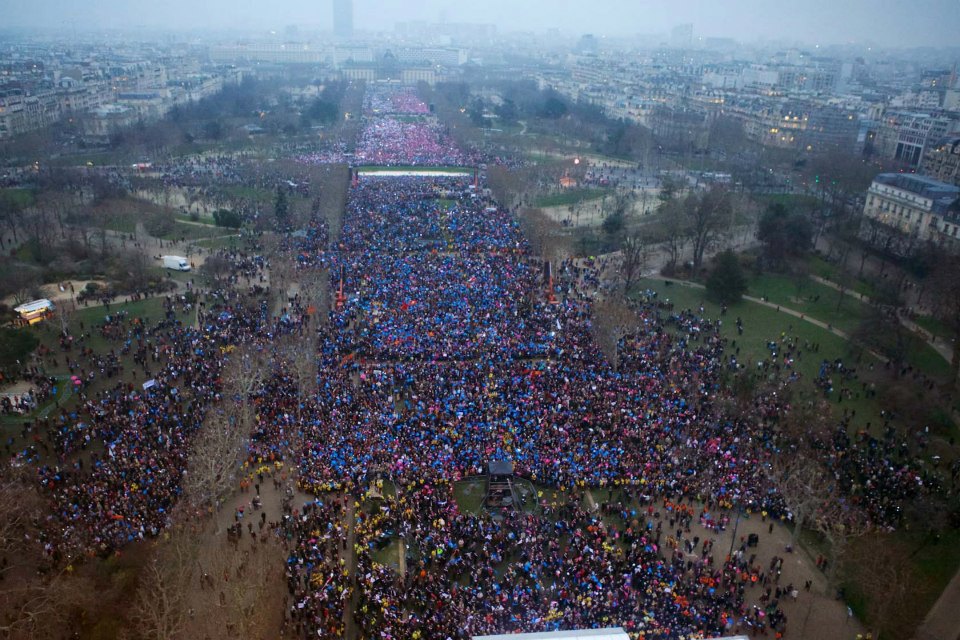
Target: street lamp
column 736, row 526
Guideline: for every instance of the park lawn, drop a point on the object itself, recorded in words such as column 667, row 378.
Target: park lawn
column 202, row 219
column 48, row 333
column 571, row 196
column 829, row 271
column 193, row 232
column 935, row 563
column 934, row 326
column 222, row 242
column 388, row 555
column 811, row 298
column 762, row 325
column 19, row 197
column 150, row 309
column 125, row 223
column 469, row 494
column 922, row 356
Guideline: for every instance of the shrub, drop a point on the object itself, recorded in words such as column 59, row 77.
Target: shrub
column 727, row 283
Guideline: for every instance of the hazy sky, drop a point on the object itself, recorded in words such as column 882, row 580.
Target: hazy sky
column 886, row 22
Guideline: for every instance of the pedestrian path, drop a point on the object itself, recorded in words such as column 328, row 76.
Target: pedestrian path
column 942, row 347
column 787, row 310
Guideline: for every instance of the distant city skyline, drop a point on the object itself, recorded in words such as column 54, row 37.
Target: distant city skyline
column 888, row 23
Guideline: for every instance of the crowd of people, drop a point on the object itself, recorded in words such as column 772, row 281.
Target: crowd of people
column 445, row 355
column 446, row 352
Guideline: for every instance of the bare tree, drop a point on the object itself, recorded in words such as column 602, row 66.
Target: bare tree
column 635, row 252
column 20, row 282
column 544, row 234
column 885, row 572
column 675, row 231
column 20, row 510
column 840, row 523
column 215, row 459
column 36, row 604
column 245, row 593
column 41, row 607
column 11, row 212
column 612, row 320
column 216, row 266
column 244, row 374
column 802, row 483
column 162, row 604
column 708, row 215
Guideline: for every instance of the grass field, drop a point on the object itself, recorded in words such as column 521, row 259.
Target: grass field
column 829, row 271
column 193, row 232
column 817, row 300
column 569, row 197
column 84, row 320
column 934, row 326
column 19, row 197
column 935, row 561
column 763, row 325
column 223, row 242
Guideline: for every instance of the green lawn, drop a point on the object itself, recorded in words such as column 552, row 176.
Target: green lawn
column 122, row 223
column 225, row 242
column 571, row 196
column 469, row 495
column 934, row 326
column 20, row 197
column 193, row 232
column 763, row 325
column 829, row 271
column 151, row 310
column 202, row 219
column 816, row 300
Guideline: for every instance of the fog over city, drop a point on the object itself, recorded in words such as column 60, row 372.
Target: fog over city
column 880, row 22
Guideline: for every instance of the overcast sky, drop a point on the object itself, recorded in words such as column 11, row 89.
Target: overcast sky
column 885, row 22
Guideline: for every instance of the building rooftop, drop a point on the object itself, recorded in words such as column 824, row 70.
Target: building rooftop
column 920, row 185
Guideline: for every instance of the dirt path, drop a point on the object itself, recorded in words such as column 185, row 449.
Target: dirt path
column 939, row 345
column 943, row 621
column 814, row 613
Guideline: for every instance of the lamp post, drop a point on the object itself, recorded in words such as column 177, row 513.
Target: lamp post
column 736, row 526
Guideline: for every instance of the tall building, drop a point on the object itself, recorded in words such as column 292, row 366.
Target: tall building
column 681, row 37
column 343, row 18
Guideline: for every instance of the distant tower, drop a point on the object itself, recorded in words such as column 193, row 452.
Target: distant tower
column 343, row 19
column 682, row 36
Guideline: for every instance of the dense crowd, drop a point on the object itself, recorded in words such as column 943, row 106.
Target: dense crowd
column 443, row 355
column 446, row 356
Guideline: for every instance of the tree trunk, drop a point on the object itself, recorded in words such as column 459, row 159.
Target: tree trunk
column 955, row 362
